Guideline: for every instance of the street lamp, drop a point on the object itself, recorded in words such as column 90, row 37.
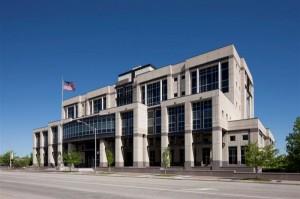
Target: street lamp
column 95, row 130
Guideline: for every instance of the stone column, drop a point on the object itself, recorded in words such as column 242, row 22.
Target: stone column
column 51, row 162
column 187, row 82
column 88, row 108
column 138, row 94
column 139, row 130
column 42, row 151
column 188, row 136
column 146, row 152
column 119, row 160
column 239, row 158
column 34, row 151
column 103, row 157
column 217, row 147
column 164, row 130
column 63, row 113
column 170, row 86
column 59, row 146
column 220, row 76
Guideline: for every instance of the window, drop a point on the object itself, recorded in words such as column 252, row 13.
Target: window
column 194, row 82
column 156, row 92
column 104, row 103
column 232, row 154
column 153, row 93
column 202, row 115
column 243, row 154
column 127, row 123
column 175, row 79
column 183, row 93
column 245, row 137
column 154, row 121
column 164, row 89
column 206, row 141
column 143, row 94
column 232, row 138
column 124, row 95
column 225, row 77
column 54, row 135
column 102, row 124
column 71, row 112
column 175, row 94
column 97, row 105
column 176, row 119
column 208, row 79
column 182, row 76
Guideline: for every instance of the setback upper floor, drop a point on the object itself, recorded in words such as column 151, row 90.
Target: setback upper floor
column 221, row 69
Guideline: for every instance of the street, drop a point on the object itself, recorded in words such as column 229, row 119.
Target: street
column 37, row 185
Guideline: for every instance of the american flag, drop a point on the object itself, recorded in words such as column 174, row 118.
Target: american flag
column 69, row 86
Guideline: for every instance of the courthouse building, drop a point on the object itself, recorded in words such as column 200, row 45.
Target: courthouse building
column 201, row 108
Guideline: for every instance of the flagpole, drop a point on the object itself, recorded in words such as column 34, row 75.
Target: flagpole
column 60, row 164
column 62, row 96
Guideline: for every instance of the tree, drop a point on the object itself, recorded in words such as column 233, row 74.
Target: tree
column 20, row 162
column 254, row 156
column 166, row 159
column 293, row 147
column 110, row 159
column 269, row 153
column 72, row 159
column 5, row 158
column 280, row 162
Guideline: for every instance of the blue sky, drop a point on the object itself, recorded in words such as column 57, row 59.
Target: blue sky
column 91, row 42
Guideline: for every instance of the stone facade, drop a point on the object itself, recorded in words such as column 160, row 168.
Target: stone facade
column 202, row 109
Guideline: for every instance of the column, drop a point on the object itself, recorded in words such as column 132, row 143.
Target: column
column 34, row 151
column 51, row 162
column 119, row 160
column 187, row 82
column 139, row 130
column 59, row 146
column 146, row 152
column 188, row 136
column 217, row 147
column 138, row 94
column 79, row 109
column 170, row 86
column 88, row 108
column 42, row 151
column 103, row 157
column 179, row 85
column 63, row 113
column 220, row 77
column 108, row 105
column 239, row 158
column 164, row 130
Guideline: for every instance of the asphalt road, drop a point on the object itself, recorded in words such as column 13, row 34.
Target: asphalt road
column 23, row 185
